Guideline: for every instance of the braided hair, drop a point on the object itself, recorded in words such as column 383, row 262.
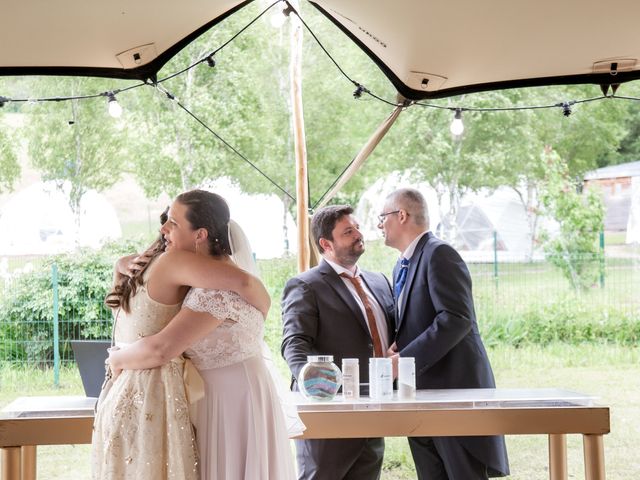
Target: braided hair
column 127, row 286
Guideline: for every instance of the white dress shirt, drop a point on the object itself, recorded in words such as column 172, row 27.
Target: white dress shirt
column 378, row 312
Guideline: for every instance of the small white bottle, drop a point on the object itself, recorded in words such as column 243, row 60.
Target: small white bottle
column 406, row 378
column 350, row 379
column 373, row 383
column 384, row 377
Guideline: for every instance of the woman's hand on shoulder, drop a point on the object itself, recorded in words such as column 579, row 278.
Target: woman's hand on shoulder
column 126, row 265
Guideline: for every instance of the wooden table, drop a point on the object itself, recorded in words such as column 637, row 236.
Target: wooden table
column 31, row 421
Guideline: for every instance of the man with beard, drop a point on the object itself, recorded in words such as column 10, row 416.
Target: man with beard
column 337, row 309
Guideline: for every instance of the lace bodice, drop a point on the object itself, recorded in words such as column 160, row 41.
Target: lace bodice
column 238, row 337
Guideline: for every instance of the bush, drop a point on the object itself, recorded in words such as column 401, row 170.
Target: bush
column 568, row 320
column 26, row 309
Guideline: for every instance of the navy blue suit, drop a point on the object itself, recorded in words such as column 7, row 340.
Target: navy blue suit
column 436, row 324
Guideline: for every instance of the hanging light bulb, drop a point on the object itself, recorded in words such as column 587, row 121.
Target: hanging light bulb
column 457, row 127
column 277, row 20
column 282, row 13
column 115, row 110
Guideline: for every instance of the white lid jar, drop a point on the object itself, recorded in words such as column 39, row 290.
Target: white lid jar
column 320, row 378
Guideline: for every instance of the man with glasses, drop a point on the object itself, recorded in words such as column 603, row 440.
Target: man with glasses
column 337, row 309
column 436, row 324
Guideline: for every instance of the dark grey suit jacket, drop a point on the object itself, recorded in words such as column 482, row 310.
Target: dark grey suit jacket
column 321, row 317
column 437, row 325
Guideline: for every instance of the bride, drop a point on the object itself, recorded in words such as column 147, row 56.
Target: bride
column 241, row 432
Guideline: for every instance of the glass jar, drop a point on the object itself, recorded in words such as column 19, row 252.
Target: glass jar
column 320, row 378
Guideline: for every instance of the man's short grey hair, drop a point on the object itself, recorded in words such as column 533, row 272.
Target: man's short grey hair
column 413, row 202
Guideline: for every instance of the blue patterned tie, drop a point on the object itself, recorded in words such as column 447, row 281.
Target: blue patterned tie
column 402, row 277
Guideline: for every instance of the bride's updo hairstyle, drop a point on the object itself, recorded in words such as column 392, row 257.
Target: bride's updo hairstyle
column 209, row 211
column 204, row 210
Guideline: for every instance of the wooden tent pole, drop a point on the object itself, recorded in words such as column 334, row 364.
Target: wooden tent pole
column 365, row 151
column 302, row 184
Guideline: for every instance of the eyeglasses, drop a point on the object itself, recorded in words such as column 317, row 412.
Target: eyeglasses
column 382, row 216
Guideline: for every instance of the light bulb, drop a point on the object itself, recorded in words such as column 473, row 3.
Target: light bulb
column 115, row 110
column 277, row 20
column 457, row 127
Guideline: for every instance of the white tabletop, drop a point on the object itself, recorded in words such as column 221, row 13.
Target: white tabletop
column 61, row 406
column 472, row 398
column 476, row 398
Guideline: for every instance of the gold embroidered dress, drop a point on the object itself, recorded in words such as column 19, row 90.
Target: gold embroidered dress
column 142, row 430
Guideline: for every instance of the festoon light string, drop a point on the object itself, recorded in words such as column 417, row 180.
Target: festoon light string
column 456, row 127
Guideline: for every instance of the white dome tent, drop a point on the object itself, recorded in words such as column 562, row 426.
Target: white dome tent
column 38, row 221
column 485, row 212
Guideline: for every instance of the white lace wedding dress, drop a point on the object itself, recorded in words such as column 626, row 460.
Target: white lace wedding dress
column 240, row 425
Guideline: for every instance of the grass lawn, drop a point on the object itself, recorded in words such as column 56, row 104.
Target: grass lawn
column 611, row 373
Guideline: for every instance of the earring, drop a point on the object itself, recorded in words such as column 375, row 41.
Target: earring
column 196, row 247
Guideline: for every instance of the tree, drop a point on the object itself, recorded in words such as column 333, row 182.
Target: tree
column 581, row 219
column 76, row 142
column 9, row 166
column 503, row 148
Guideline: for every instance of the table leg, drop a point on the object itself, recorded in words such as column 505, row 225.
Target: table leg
column 29, row 470
column 11, row 463
column 558, row 456
column 593, row 457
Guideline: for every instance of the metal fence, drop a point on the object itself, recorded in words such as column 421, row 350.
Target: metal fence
column 36, row 327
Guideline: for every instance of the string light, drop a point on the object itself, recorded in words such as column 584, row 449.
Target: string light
column 359, row 91
column 277, row 19
column 115, row 110
column 285, row 9
column 457, row 127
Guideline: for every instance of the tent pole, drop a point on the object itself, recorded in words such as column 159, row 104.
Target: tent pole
column 365, row 151
column 302, row 175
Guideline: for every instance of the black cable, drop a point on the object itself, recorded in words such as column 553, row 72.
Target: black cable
column 334, row 183
column 206, row 57
column 321, row 45
column 170, row 96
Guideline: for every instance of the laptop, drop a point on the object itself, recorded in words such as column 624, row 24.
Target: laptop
column 90, row 356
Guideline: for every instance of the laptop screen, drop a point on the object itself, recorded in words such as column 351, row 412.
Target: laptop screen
column 90, row 356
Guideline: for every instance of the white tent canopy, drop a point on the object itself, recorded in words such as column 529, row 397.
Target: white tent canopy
column 428, row 49
column 122, row 39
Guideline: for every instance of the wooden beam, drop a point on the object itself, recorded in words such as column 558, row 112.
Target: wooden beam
column 302, row 174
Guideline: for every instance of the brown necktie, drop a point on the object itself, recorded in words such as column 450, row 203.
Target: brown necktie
column 371, row 319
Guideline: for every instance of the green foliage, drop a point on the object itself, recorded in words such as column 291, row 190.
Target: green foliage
column 569, row 320
column 9, row 167
column 75, row 141
column 26, row 312
column 580, row 217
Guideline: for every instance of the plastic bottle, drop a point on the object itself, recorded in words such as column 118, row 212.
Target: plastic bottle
column 406, row 378
column 350, row 379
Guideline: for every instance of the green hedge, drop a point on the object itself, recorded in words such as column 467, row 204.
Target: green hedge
column 26, row 309
column 26, row 306
column 569, row 320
